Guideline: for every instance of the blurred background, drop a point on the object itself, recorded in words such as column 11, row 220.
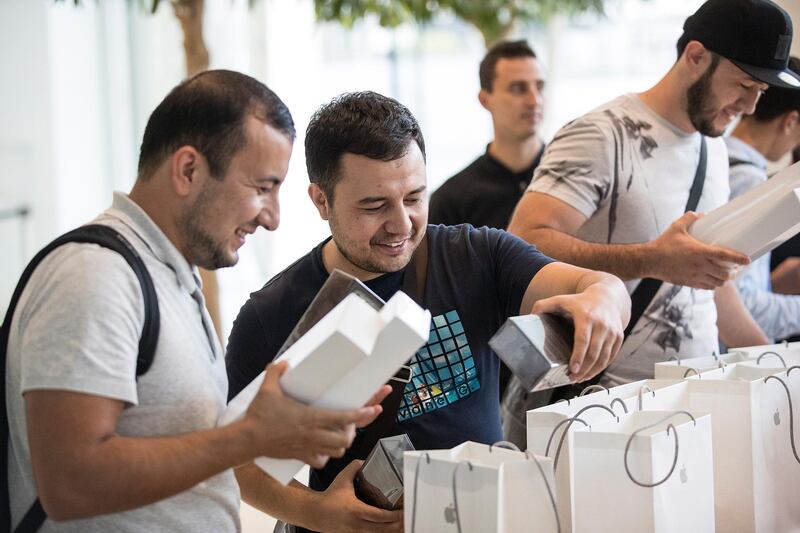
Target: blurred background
column 79, row 80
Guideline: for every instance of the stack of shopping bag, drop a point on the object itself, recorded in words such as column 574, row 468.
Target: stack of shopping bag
column 713, row 451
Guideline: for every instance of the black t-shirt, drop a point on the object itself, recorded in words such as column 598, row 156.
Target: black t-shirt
column 483, row 194
column 476, row 278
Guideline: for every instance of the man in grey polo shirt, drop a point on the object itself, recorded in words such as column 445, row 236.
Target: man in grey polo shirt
column 101, row 450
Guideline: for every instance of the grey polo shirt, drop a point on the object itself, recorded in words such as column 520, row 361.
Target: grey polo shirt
column 77, row 328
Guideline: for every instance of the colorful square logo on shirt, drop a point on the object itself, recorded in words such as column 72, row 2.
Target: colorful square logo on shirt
column 443, row 371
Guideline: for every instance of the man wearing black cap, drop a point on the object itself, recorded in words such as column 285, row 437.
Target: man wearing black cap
column 613, row 181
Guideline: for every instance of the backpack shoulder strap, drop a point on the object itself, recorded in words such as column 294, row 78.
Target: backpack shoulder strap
column 106, row 237
column 647, row 288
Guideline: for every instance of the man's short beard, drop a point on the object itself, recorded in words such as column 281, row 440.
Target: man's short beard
column 701, row 106
column 365, row 264
column 200, row 245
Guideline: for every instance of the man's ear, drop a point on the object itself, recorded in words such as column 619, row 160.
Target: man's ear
column 483, row 98
column 696, row 57
column 186, row 165
column 320, row 200
column 789, row 122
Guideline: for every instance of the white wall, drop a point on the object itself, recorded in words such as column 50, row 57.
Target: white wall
column 25, row 158
column 793, row 8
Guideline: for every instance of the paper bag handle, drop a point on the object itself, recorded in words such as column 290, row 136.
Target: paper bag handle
column 414, row 496
column 791, row 409
column 697, row 373
column 504, row 444
column 641, row 393
column 455, row 492
column 570, row 421
column 674, row 460
column 593, row 388
column 530, row 455
column 760, row 357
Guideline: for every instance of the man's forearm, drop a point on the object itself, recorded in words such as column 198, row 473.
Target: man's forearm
column 293, row 503
column 627, row 261
column 734, row 322
column 123, row 473
column 594, row 279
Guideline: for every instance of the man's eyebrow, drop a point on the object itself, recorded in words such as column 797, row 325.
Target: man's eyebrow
column 374, row 199
column 751, row 79
column 371, row 199
column 266, row 180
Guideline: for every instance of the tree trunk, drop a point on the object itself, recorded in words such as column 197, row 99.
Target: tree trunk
column 190, row 14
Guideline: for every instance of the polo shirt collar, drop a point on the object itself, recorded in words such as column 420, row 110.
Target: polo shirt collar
column 133, row 216
column 505, row 173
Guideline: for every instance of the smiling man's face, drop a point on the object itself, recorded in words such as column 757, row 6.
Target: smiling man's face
column 378, row 213
column 225, row 211
column 720, row 95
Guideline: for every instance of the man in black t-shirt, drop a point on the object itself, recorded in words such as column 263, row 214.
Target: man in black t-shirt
column 486, row 192
column 366, row 160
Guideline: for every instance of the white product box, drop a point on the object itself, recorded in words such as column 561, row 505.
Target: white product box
column 342, row 360
column 757, row 221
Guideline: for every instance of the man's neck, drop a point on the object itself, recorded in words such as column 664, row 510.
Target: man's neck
column 756, row 135
column 513, row 154
column 669, row 102
column 153, row 202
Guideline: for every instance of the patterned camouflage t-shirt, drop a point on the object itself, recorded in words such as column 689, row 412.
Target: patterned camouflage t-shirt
column 629, row 171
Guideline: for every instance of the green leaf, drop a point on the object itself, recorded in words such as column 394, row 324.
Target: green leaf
column 493, row 18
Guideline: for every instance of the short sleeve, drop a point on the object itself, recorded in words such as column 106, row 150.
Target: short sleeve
column 247, row 346
column 576, row 167
column 516, row 264
column 80, row 324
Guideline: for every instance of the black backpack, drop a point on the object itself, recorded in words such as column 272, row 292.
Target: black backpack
column 106, row 237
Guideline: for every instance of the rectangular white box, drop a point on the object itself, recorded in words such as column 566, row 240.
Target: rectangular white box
column 341, row 361
column 757, row 221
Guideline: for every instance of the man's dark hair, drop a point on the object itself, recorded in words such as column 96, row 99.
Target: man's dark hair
column 502, row 50
column 776, row 100
column 362, row 123
column 209, row 112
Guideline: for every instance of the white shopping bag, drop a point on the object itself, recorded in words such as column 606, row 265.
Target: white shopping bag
column 685, row 367
column 651, row 471
column 777, row 356
column 549, row 430
column 783, row 348
column 341, row 361
column 475, row 488
column 756, row 470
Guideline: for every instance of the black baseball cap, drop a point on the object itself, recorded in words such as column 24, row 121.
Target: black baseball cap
column 754, row 35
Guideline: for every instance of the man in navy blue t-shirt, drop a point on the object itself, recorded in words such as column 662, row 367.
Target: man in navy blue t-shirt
column 366, row 161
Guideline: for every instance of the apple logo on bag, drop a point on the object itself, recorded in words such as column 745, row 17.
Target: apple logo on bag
column 684, row 476
column 777, row 418
column 450, row 514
